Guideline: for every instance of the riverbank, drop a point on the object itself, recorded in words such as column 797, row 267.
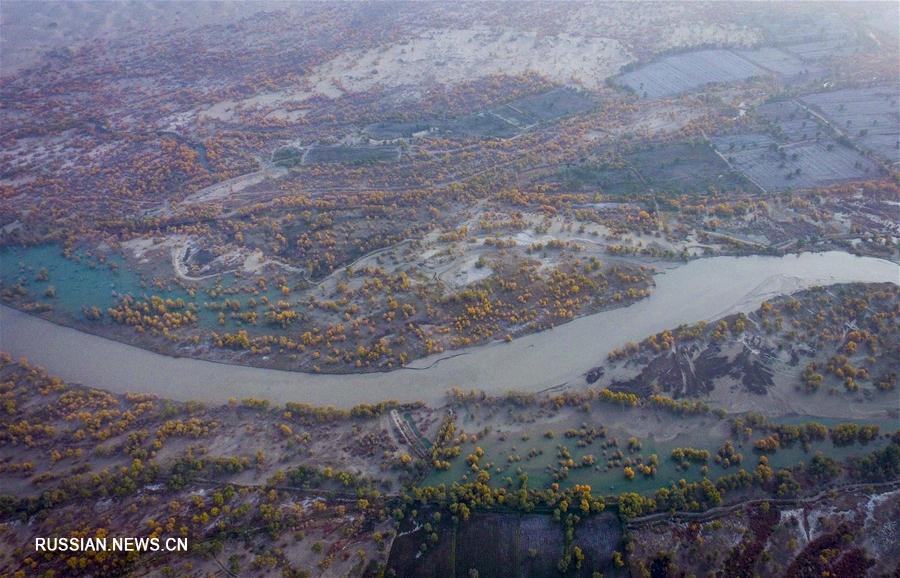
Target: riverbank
column 703, row 289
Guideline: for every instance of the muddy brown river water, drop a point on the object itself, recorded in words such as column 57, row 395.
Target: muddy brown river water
column 703, row 289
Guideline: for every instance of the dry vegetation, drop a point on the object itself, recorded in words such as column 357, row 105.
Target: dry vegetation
column 336, row 217
column 351, row 187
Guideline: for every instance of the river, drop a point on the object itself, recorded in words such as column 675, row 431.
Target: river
column 703, row 289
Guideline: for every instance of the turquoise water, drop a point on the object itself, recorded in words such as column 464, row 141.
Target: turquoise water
column 613, row 481
column 82, row 279
column 79, row 280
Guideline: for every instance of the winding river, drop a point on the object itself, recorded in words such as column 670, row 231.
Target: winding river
column 703, row 289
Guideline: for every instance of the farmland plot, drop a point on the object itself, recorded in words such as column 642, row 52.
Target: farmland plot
column 683, row 72
column 287, row 156
column 790, row 121
column 351, row 154
column 777, row 167
column 549, row 106
column 678, row 168
column 504, row 545
column 685, row 168
column 775, row 60
column 390, row 130
column 502, row 121
column 481, row 125
column 822, row 49
column 521, row 114
column 868, row 116
column 603, row 177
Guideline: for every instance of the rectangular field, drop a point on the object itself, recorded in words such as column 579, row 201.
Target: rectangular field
column 777, row 167
column 608, row 179
column 791, row 122
column 481, row 125
column 503, row 121
column 351, row 154
column 678, row 168
column 686, row 168
column 506, row 545
column 869, row 117
column 774, row 60
column 390, row 130
column 683, row 72
column 821, row 49
column 547, row 106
